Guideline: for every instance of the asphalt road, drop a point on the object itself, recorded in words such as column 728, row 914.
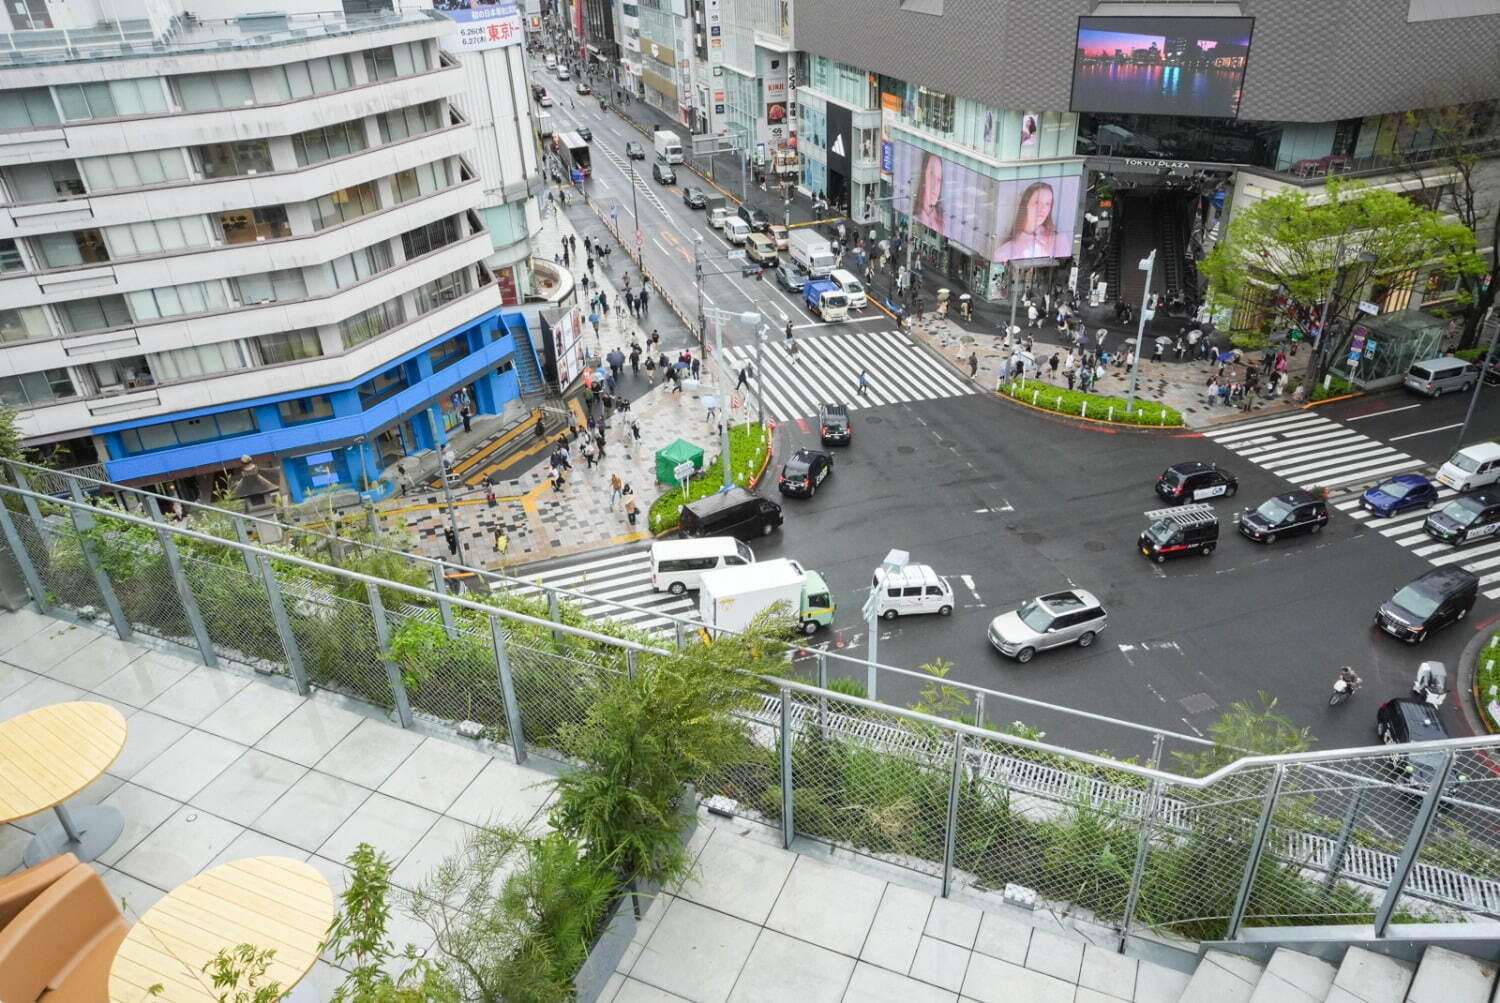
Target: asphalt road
column 1010, row 504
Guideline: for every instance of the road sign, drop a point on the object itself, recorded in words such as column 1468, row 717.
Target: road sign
column 1366, row 306
column 683, row 470
column 737, row 255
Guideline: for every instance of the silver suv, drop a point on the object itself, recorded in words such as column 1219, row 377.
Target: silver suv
column 1071, row 617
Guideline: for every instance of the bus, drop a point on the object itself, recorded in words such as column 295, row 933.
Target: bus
column 574, row 153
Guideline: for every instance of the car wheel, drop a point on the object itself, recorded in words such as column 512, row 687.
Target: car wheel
column 945, row 611
column 1085, row 639
column 1437, row 392
column 1466, row 387
column 1024, row 655
column 1230, row 490
column 809, row 627
column 677, row 588
column 1270, row 537
column 1317, row 527
column 1208, row 548
column 766, row 529
column 1161, row 558
column 889, row 614
column 812, row 489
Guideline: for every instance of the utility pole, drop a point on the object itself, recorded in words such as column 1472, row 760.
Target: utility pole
column 698, row 281
column 1489, row 358
column 1147, row 264
column 443, row 461
column 723, row 396
column 760, row 396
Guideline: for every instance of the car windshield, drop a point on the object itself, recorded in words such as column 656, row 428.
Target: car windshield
column 1396, row 489
column 1162, row 532
column 1463, row 511
column 1273, row 510
column 1034, row 615
column 1416, row 602
column 1465, row 463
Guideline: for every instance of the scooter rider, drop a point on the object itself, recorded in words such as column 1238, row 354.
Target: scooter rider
column 1347, row 679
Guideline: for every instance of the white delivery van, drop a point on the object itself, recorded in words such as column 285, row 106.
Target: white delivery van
column 668, row 147
column 717, row 215
column 1472, row 467
column 916, row 588
column 732, row 598
column 736, row 229
column 851, row 286
column 677, row 565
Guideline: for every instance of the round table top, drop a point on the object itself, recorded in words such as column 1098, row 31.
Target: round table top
column 49, row 754
column 272, row 903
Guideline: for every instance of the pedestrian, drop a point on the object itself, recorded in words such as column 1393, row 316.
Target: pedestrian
column 591, row 266
column 862, row 381
column 615, row 484
column 1032, row 315
column 1156, row 352
column 402, row 480
column 489, row 495
column 603, row 302
column 1071, row 375
column 1179, row 348
column 468, row 417
column 589, row 455
column 541, row 429
column 555, row 475
column 655, row 339
column 1052, row 364
column 675, row 375
column 567, row 258
column 630, row 510
column 599, row 440
column 650, row 371
column 588, row 247
column 973, row 365
column 583, row 284
column 643, row 298
column 635, row 430
column 744, row 379
column 1211, row 391
column 502, row 541
column 696, row 366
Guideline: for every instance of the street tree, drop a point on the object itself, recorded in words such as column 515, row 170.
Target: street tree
column 1316, row 252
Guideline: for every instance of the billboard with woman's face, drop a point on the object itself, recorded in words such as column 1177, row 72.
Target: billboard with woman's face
column 997, row 220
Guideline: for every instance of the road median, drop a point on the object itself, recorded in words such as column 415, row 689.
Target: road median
column 1042, row 396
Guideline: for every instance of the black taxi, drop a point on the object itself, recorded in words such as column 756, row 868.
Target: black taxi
column 1284, row 515
column 1195, row 481
column 1465, row 518
column 1174, row 532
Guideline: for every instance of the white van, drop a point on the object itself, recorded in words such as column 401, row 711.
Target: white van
column 677, row 565
column 1435, row 377
column 851, row 287
column 718, row 215
column 736, row 229
column 916, row 588
column 1472, row 467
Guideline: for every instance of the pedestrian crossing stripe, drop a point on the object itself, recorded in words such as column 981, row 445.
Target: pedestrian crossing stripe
column 1405, row 530
column 826, row 369
column 1313, row 451
column 608, row 582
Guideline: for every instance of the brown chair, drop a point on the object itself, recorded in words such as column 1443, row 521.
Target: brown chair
column 17, row 890
column 60, row 947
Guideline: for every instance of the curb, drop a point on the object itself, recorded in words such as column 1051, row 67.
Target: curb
column 1468, row 663
column 1132, row 426
column 1331, row 400
column 755, row 481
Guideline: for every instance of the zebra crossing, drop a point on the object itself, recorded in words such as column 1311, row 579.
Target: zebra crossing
column 1313, row 451
column 608, row 581
column 826, row 368
column 1405, row 530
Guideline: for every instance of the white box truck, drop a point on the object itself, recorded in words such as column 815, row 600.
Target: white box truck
column 731, row 598
column 812, row 251
column 668, row 146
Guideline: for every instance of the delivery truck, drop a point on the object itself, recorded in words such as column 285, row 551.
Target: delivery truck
column 731, row 598
column 812, row 251
column 825, row 300
column 668, row 146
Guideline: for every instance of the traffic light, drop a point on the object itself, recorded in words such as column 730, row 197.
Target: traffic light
column 452, row 541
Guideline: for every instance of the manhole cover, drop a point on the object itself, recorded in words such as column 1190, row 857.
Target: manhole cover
column 873, row 420
column 1198, row 703
column 906, row 449
column 1095, row 547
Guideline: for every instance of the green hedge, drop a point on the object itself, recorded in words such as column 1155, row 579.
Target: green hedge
column 1487, row 675
column 1080, row 404
column 748, row 446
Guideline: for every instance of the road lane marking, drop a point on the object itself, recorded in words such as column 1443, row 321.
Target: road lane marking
column 1426, row 431
column 1377, row 414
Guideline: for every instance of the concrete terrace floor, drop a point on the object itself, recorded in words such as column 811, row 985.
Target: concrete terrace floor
column 220, row 765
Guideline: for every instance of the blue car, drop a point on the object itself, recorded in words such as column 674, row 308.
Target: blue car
column 1398, row 494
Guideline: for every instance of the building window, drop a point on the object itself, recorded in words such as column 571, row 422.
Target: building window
column 21, row 323
column 133, row 170
column 425, row 239
column 77, row 247
column 36, row 388
column 289, row 346
column 387, row 384
column 411, row 121
column 175, row 301
column 27, row 108
column 391, row 61
column 156, row 236
column 935, row 109
column 44, row 182
column 360, row 265
column 207, row 91
column 313, row 76
column 344, row 205
column 10, row 256
column 232, row 160
column 446, row 354
column 318, row 145
column 305, row 409
column 198, row 361
column 419, row 181
column 94, row 314
column 444, row 290
column 112, row 99
column 244, row 226
column 269, row 287
column 186, row 430
column 370, row 323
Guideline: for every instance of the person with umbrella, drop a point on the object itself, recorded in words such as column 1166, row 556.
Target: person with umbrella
column 1160, row 345
column 616, row 360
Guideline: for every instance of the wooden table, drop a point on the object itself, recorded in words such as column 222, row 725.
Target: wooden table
column 273, row 903
column 47, row 756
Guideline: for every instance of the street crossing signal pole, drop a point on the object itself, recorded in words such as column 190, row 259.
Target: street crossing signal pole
column 1147, row 264
column 443, row 453
column 1493, row 318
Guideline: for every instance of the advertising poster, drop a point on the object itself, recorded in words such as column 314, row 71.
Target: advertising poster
column 1161, row 65
column 1021, row 220
column 890, row 110
column 840, row 127
column 572, row 357
column 481, row 24
column 1031, row 127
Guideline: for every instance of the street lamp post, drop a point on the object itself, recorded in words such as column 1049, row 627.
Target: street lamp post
column 718, row 316
column 760, row 396
column 895, row 561
column 1146, row 265
column 1489, row 359
column 445, row 459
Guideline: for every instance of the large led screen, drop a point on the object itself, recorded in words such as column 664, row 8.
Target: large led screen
column 1020, row 220
column 1161, row 65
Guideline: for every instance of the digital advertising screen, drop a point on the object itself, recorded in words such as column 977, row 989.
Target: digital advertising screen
column 1191, row 66
column 569, row 334
column 1021, row 220
column 482, row 24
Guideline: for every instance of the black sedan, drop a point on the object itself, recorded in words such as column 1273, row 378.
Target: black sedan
column 635, row 151
column 803, row 471
column 1195, row 481
column 694, row 198
column 1284, row 515
column 586, row 134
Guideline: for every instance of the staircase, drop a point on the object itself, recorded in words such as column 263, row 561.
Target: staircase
column 528, row 370
column 1363, row 976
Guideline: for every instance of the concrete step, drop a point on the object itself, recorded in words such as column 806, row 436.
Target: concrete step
column 1367, row 977
column 1222, row 978
column 1445, row 976
column 1294, row 977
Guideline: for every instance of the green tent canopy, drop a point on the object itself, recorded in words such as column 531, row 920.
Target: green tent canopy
column 668, row 458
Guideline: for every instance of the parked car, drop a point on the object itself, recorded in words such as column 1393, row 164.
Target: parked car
column 1194, row 481
column 584, row 88
column 694, row 198
column 1284, row 515
column 1398, row 494
column 1069, row 617
column 664, row 174
column 635, row 151
column 1442, row 596
column 803, row 471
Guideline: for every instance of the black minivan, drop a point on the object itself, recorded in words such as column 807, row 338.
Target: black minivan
column 1442, row 596
column 736, row 512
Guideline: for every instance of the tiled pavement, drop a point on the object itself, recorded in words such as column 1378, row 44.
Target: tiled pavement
column 219, row 766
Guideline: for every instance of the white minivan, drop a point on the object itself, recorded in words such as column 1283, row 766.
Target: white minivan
column 916, row 588
column 677, row 565
column 1472, row 467
column 736, row 230
column 851, row 287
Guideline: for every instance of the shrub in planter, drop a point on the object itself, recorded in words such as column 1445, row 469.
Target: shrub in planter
column 1077, row 403
column 748, row 446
